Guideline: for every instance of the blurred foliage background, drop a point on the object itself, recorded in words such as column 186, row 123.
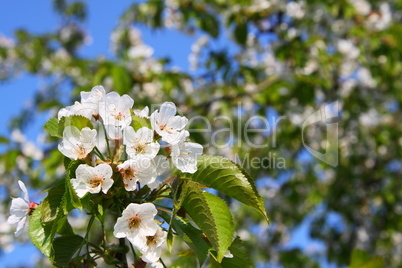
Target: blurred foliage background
column 270, row 58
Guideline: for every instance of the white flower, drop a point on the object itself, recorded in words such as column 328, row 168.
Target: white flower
column 92, row 179
column 154, row 265
column 348, row 49
column 92, row 99
column 115, row 110
column 362, row 7
column 184, row 154
column 151, row 246
column 167, row 124
column 138, row 169
column 20, row 210
column 76, row 109
column 380, row 20
column 140, row 142
column 17, row 136
column 144, row 113
column 140, row 51
column 31, row 150
column 77, row 144
column 136, row 221
column 295, row 10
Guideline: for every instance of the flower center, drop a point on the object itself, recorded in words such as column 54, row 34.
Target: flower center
column 139, row 148
column 96, row 181
column 165, row 128
column 134, row 221
column 81, row 152
column 119, row 116
column 151, row 240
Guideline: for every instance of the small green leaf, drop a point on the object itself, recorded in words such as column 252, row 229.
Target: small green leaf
column 139, row 122
column 4, row 140
column 361, row 259
column 41, row 235
column 64, row 249
column 77, row 121
column 212, row 215
column 241, row 32
column 121, row 80
column 52, row 127
column 228, row 178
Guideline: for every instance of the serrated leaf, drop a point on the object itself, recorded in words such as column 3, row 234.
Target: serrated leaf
column 41, row 235
column 192, row 236
column 64, row 249
column 71, row 198
column 77, row 121
column 228, row 178
column 64, row 227
column 240, row 259
column 51, row 205
column 52, row 127
column 212, row 215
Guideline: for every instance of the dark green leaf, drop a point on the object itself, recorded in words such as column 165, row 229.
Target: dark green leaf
column 212, row 215
column 65, row 248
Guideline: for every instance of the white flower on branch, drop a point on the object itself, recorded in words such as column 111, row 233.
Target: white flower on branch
column 20, row 210
column 185, row 154
column 92, row 179
column 167, row 124
column 77, row 144
column 136, row 221
column 91, row 100
column 138, row 169
column 115, row 110
column 140, row 142
column 151, row 246
column 76, row 109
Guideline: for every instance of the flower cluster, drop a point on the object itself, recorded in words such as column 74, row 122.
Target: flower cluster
column 116, row 130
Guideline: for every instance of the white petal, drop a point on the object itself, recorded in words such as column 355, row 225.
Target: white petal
column 24, row 190
column 166, row 111
column 107, row 184
column 20, row 227
column 120, row 228
column 126, row 102
column 19, row 207
column 103, row 171
column 81, row 189
column 84, row 173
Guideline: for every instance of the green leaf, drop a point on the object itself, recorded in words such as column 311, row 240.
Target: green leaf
column 361, row 259
column 192, row 236
column 53, row 201
column 241, row 258
column 65, row 248
column 52, row 127
column 64, row 227
column 139, row 122
column 212, row 215
column 228, row 178
column 4, row 140
column 77, row 121
column 71, row 198
column 41, row 235
column 240, row 33
column 121, row 79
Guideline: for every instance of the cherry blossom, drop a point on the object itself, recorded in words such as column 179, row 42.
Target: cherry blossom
column 185, row 154
column 92, row 179
column 91, row 100
column 167, row 124
column 151, row 246
column 115, row 110
column 136, row 221
column 76, row 109
column 77, row 144
column 20, row 210
column 138, row 169
column 140, row 142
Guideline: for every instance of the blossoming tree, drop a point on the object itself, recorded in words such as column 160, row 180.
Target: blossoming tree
column 274, row 61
